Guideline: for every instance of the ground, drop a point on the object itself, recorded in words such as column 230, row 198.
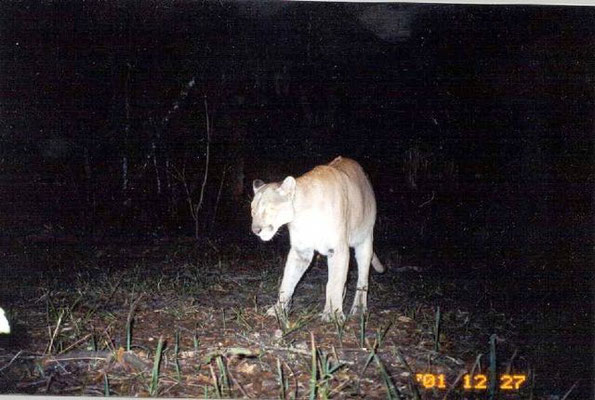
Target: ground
column 95, row 319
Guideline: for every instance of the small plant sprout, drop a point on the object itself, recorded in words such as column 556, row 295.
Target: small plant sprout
column 327, row 370
column 282, row 317
column 288, row 326
column 241, row 319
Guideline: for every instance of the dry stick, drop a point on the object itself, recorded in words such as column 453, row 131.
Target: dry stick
column 570, row 390
column 454, row 384
column 11, row 361
column 303, row 352
column 237, row 383
column 169, row 388
column 215, row 381
column 476, row 364
column 49, row 383
column 531, row 374
column 55, row 332
column 181, row 176
column 107, row 300
column 204, row 181
column 339, row 388
column 126, row 127
column 76, row 343
column 427, row 202
column 509, row 366
column 80, row 356
column 298, row 351
column 154, row 157
column 219, row 195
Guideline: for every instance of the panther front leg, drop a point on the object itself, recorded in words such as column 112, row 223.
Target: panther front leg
column 297, row 263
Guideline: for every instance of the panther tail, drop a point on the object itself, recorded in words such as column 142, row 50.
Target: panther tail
column 377, row 264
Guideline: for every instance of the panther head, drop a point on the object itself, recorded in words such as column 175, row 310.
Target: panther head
column 272, row 206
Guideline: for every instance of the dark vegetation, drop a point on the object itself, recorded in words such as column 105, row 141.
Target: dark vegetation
column 131, row 132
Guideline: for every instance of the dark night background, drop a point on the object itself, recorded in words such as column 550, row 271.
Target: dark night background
column 475, row 124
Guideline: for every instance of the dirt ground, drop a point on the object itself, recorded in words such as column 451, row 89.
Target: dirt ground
column 177, row 319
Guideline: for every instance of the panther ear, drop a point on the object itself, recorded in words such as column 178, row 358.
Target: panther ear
column 287, row 188
column 257, row 184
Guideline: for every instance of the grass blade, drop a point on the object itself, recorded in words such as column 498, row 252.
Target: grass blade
column 223, row 379
column 281, row 378
column 130, row 322
column 493, row 380
column 176, row 353
column 412, row 384
column 105, row 385
column 313, row 372
column 362, row 329
column 391, row 391
column 155, row 372
column 437, row 331
column 215, row 382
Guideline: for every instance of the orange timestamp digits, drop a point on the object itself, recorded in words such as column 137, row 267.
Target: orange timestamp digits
column 512, row 382
column 430, row 381
column 471, row 382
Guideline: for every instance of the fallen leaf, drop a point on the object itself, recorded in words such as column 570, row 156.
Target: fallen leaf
column 246, row 368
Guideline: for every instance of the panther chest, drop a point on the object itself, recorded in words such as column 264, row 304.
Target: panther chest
column 316, row 233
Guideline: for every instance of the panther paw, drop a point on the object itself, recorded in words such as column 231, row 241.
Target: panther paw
column 336, row 316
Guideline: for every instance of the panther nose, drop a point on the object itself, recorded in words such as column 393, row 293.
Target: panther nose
column 256, row 229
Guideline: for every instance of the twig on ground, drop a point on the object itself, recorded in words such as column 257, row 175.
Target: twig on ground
column 427, row 202
column 105, row 355
column 296, row 351
column 80, row 356
column 237, row 383
column 570, row 390
column 53, row 336
column 454, row 384
column 11, row 361
column 76, row 343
